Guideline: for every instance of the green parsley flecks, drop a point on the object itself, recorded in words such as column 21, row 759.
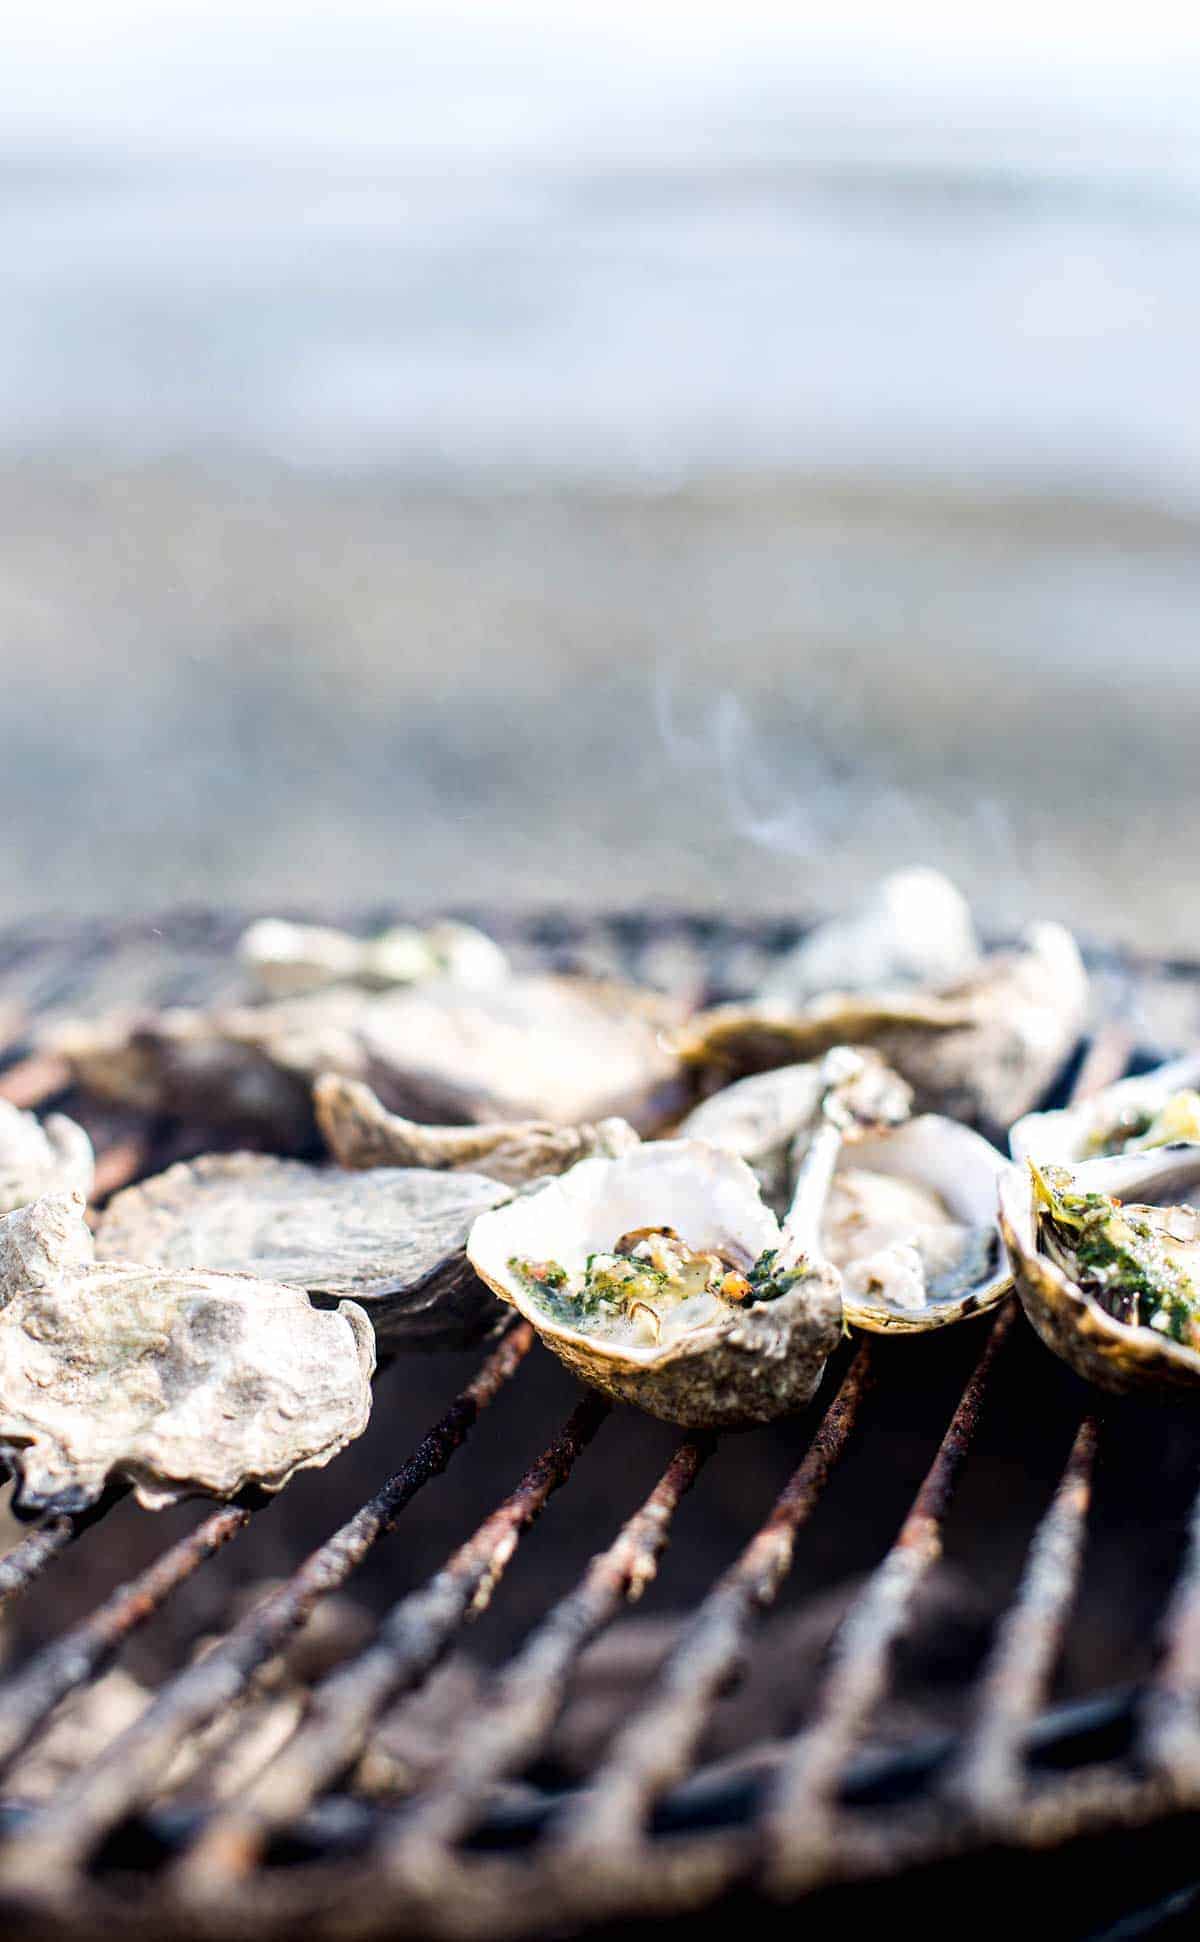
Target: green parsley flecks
column 1117, row 1255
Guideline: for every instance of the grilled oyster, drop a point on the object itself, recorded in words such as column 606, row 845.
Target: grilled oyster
column 360, row 1132
column 177, row 1383
column 982, row 1049
column 1110, row 1282
column 392, row 1239
column 768, row 1119
column 41, row 1156
column 915, row 928
column 911, row 1224
column 288, row 960
column 1155, row 1109
column 546, row 1047
column 663, row 1279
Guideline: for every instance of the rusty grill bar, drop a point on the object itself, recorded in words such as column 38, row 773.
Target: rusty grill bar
column 624, row 1844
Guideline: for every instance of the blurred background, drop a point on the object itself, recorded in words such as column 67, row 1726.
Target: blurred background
column 701, row 453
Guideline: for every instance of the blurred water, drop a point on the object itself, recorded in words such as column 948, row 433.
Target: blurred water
column 612, row 453
column 496, row 245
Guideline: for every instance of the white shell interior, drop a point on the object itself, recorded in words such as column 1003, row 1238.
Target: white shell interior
column 709, row 1197
column 1064, row 1136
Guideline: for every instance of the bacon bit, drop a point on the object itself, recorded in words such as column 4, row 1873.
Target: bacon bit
column 734, row 1287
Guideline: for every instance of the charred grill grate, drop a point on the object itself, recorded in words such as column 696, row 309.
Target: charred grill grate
column 1101, row 1788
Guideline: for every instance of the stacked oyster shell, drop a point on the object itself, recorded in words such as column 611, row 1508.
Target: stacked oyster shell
column 691, row 1210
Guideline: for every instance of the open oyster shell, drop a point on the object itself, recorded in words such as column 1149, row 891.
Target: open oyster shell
column 768, row 1118
column 915, row 928
column 911, row 1224
column 38, row 1157
column 287, row 959
column 1116, row 1354
column 983, row 1049
column 744, row 1364
column 546, row 1047
column 177, row 1383
column 360, row 1132
column 393, row 1239
column 1153, row 1110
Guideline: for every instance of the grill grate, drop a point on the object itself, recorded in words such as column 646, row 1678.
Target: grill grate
column 648, row 1833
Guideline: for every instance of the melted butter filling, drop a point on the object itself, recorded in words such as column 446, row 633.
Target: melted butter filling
column 651, row 1288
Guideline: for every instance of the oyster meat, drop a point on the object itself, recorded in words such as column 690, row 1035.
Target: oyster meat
column 983, row 1049
column 178, row 1383
column 288, row 960
column 663, row 1279
column 392, row 1239
column 1155, row 1109
column 360, row 1132
column 38, row 1157
column 911, row 1223
column 1110, row 1279
column 545, row 1047
column 915, row 928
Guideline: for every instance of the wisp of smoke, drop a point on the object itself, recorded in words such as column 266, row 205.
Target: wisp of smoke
column 842, row 799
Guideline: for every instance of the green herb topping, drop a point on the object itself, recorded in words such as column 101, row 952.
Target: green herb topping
column 1117, row 1255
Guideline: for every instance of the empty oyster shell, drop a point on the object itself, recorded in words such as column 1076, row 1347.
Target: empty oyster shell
column 288, row 959
column 392, row 1239
column 765, row 1118
column 1155, row 1109
column 179, row 1383
column 915, row 928
column 38, row 1157
column 558, row 1048
column 666, row 1340
column 1110, row 1282
column 983, row 1049
column 360, row 1132
column 911, row 1223
column 544, row 1047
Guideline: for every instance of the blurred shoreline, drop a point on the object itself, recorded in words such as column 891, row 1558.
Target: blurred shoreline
column 246, row 684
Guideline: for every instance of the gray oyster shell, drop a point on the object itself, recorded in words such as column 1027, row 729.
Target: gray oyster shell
column 763, row 1361
column 287, row 960
column 178, row 1383
column 557, row 1048
column 915, row 928
column 39, row 1157
column 360, row 1132
column 392, row 1239
column 767, row 1119
column 984, row 1049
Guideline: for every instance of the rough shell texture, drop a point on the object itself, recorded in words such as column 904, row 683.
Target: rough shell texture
column 762, row 1362
column 915, row 928
column 1066, row 1136
column 762, row 1118
column 178, row 1383
column 1110, row 1353
column 984, row 1049
column 245, row 1066
column 360, row 1132
column 41, row 1157
column 964, row 1171
column 392, row 1239
column 557, row 1048
column 288, row 959
column 564, row 1049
